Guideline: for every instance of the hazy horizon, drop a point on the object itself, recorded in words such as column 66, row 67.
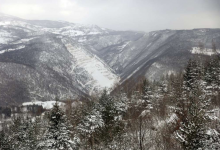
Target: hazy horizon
column 133, row 15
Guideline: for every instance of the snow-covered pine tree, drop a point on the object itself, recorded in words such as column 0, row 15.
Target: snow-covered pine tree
column 218, row 71
column 21, row 135
column 77, row 113
column 134, row 104
column 110, row 112
column 212, row 79
column 58, row 133
column 162, row 88
column 4, row 141
column 107, row 108
column 18, row 134
column 175, row 90
column 211, row 73
column 31, row 140
column 121, row 102
column 192, row 132
column 161, row 98
column 213, row 140
column 191, row 77
column 89, row 127
column 189, row 88
column 145, row 102
column 192, row 114
column 39, row 128
column 145, row 106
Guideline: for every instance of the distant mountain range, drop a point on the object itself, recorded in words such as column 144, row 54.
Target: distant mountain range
column 42, row 59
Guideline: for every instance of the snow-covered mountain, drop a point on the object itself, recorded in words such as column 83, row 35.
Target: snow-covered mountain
column 42, row 59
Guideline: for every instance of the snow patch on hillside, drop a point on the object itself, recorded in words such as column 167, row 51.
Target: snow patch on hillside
column 123, row 46
column 45, row 105
column 76, row 30
column 5, row 37
column 100, row 72
column 11, row 49
column 157, row 65
column 24, row 40
column 3, row 23
column 205, row 51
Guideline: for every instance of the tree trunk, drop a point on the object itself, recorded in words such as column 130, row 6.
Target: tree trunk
column 140, row 133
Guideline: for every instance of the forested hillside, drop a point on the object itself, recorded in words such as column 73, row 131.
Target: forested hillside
column 181, row 111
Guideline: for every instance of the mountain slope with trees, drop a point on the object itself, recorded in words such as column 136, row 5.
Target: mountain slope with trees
column 41, row 60
column 181, row 111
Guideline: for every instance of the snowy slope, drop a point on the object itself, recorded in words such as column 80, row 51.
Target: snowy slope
column 101, row 73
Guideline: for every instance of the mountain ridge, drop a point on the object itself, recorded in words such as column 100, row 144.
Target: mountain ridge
column 49, row 59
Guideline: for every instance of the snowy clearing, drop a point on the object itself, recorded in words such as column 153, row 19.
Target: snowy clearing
column 206, row 51
column 45, row 105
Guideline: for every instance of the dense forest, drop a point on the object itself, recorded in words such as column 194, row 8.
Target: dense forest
column 179, row 112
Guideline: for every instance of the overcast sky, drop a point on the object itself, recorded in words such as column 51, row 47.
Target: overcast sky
column 140, row 15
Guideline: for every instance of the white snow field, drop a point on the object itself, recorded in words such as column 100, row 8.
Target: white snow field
column 46, row 105
column 206, row 51
column 100, row 72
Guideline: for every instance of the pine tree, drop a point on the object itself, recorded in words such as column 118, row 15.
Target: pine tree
column 192, row 129
column 31, row 140
column 146, row 99
column 38, row 129
column 191, row 76
column 192, row 132
column 211, row 73
column 212, row 76
column 4, row 141
column 110, row 112
column 213, row 140
column 189, row 88
column 89, row 127
column 18, row 134
column 121, row 103
column 58, row 134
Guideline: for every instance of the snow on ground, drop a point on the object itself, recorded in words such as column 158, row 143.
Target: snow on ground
column 206, row 51
column 81, row 40
column 73, row 33
column 45, row 105
column 5, row 37
column 17, row 24
column 24, row 40
column 172, row 118
column 157, row 65
column 4, row 40
column 100, row 72
column 94, row 32
column 3, row 23
column 11, row 49
column 214, row 114
column 120, row 48
column 74, row 30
